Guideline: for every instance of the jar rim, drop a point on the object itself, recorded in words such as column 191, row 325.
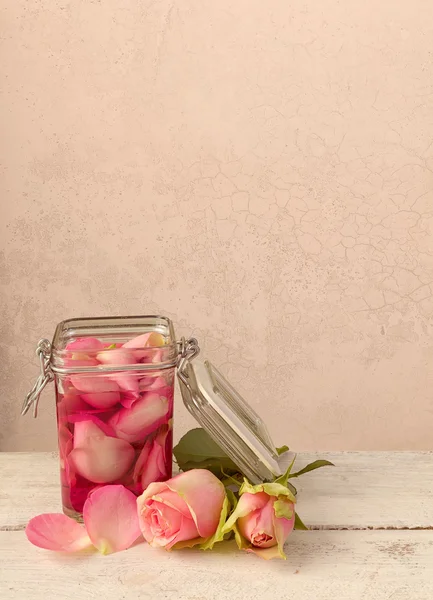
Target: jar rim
column 112, row 331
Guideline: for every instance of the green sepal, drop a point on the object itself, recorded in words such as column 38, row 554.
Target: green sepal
column 283, row 479
column 283, row 509
column 299, row 523
column 218, row 536
column 272, row 489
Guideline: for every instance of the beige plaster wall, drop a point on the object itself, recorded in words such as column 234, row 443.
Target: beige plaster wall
column 262, row 172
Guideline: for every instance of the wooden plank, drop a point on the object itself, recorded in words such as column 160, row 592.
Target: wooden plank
column 325, row 565
column 368, row 490
column 30, row 485
column 364, row 490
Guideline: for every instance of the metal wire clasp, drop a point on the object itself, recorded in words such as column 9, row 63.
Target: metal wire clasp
column 188, row 349
column 43, row 352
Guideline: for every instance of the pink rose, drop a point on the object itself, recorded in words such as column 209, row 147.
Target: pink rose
column 190, row 507
column 263, row 519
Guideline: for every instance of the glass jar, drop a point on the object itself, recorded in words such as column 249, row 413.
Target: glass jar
column 114, row 381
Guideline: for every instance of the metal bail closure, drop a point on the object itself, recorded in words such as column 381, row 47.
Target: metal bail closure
column 43, row 352
column 188, row 349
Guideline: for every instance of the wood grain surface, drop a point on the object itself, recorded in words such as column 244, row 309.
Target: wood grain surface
column 371, row 539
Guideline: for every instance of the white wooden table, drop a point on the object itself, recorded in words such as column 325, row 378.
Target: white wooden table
column 371, row 538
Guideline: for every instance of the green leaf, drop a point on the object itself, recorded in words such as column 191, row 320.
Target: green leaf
column 299, row 524
column 111, row 347
column 282, row 449
column 317, row 464
column 197, row 450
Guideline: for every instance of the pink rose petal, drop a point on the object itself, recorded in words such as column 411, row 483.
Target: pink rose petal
column 85, row 344
column 97, row 457
column 65, row 447
column 204, row 494
column 144, row 417
column 138, row 342
column 65, row 438
column 174, row 500
column 84, row 429
column 117, row 356
column 147, row 384
column 258, row 526
column 187, row 531
column 69, row 470
column 71, row 403
column 57, row 532
column 283, row 527
column 148, row 340
column 128, row 399
column 79, row 352
column 99, row 392
column 101, row 413
column 141, row 460
column 102, row 400
column 155, row 468
column 127, row 382
column 111, row 519
column 158, row 357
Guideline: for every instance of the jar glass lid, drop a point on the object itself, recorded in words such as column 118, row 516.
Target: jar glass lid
column 229, row 420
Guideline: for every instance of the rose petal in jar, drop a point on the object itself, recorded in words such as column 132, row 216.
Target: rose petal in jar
column 147, row 341
column 142, row 460
column 77, row 355
column 144, row 417
column 116, row 356
column 88, row 343
column 127, row 399
column 147, row 384
column 79, row 491
column 152, row 464
column 156, row 468
column 82, row 418
column 98, row 457
column 65, row 439
column 99, row 392
column 71, row 403
column 127, row 382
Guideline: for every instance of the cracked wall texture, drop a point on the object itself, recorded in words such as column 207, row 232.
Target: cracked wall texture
column 260, row 172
